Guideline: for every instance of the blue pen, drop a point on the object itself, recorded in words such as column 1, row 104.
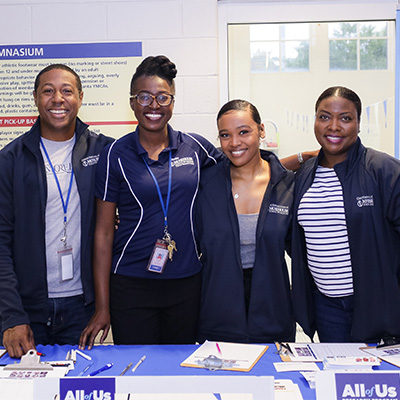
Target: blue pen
column 107, row 366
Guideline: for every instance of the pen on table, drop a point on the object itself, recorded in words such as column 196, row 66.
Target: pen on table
column 218, row 348
column 138, row 363
column 86, row 368
column 82, row 354
column 40, row 354
column 287, row 347
column 126, row 369
column 107, row 366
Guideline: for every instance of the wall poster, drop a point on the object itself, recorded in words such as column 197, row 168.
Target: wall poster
column 105, row 69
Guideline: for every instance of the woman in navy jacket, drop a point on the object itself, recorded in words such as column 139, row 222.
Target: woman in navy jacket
column 243, row 215
column 370, row 182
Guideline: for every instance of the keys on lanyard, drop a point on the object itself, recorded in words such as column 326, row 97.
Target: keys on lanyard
column 171, row 245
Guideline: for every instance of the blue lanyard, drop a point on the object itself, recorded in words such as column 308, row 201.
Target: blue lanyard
column 164, row 206
column 64, row 204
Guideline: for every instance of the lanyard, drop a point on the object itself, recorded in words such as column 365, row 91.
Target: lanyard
column 64, row 204
column 166, row 205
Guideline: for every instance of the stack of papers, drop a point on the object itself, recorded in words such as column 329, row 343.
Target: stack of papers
column 319, row 351
column 353, row 363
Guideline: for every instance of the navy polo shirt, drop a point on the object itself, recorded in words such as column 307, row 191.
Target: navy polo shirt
column 123, row 178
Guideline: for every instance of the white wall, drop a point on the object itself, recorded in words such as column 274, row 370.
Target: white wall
column 184, row 30
column 191, row 32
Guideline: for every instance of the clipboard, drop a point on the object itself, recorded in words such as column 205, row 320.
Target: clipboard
column 225, row 356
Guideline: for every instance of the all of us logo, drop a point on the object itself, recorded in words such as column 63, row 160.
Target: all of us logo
column 87, row 389
column 367, row 386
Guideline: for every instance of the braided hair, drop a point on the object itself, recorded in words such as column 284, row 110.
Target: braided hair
column 160, row 66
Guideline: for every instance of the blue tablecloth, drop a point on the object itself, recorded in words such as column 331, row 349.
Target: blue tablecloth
column 166, row 360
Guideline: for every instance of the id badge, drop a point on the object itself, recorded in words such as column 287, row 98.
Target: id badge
column 159, row 257
column 66, row 264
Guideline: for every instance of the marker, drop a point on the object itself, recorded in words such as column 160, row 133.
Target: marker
column 126, row 369
column 40, row 354
column 82, row 354
column 106, row 367
column 138, row 363
column 218, row 348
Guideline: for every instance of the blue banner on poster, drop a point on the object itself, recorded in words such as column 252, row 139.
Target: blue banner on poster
column 74, row 50
column 87, row 389
column 367, row 386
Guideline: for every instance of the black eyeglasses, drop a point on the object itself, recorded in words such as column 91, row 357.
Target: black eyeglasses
column 145, row 99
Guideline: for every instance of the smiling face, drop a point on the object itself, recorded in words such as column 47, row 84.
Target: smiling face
column 239, row 136
column 336, row 128
column 58, row 100
column 152, row 118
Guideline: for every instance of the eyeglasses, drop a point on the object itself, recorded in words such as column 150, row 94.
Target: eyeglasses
column 145, row 99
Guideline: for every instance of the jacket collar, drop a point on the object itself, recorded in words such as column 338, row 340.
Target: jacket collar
column 352, row 158
column 32, row 138
column 278, row 171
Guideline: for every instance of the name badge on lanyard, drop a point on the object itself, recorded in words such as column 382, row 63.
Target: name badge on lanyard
column 65, row 254
column 164, row 248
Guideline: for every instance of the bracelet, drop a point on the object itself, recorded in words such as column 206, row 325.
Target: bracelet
column 300, row 158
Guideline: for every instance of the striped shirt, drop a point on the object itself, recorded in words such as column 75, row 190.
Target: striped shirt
column 321, row 214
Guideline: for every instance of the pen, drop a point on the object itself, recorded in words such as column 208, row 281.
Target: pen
column 287, row 347
column 126, row 369
column 107, row 366
column 83, row 355
column 40, row 354
column 218, row 348
column 86, row 368
column 138, row 363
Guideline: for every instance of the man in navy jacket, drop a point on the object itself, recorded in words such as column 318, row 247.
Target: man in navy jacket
column 47, row 219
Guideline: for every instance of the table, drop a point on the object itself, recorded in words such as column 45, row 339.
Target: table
column 166, row 360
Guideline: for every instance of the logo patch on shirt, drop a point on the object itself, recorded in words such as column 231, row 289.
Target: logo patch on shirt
column 277, row 209
column 91, row 160
column 365, row 201
column 180, row 162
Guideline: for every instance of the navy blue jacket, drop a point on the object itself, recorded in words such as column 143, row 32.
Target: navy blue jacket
column 223, row 313
column 371, row 192
column 23, row 194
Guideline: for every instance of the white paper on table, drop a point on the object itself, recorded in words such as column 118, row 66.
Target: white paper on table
column 296, row 366
column 285, row 389
column 391, row 356
column 57, row 372
column 309, row 377
column 243, row 356
column 318, row 351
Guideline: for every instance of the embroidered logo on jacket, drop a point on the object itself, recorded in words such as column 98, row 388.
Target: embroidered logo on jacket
column 277, row 209
column 180, row 162
column 365, row 201
column 91, row 160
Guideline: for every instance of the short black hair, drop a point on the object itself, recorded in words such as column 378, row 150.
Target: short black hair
column 58, row 66
column 160, row 66
column 240, row 105
column 341, row 91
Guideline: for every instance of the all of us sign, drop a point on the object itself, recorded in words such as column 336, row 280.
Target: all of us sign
column 87, row 389
column 376, row 385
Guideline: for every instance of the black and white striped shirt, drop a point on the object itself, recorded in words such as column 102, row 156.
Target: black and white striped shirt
column 321, row 214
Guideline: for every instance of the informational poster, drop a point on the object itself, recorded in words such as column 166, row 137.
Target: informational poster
column 105, row 70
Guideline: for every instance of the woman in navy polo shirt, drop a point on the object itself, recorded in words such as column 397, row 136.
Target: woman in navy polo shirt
column 147, row 273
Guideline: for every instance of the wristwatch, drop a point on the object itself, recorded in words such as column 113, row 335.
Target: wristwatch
column 300, row 158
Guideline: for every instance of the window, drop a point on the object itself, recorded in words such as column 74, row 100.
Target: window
column 279, row 47
column 358, row 46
